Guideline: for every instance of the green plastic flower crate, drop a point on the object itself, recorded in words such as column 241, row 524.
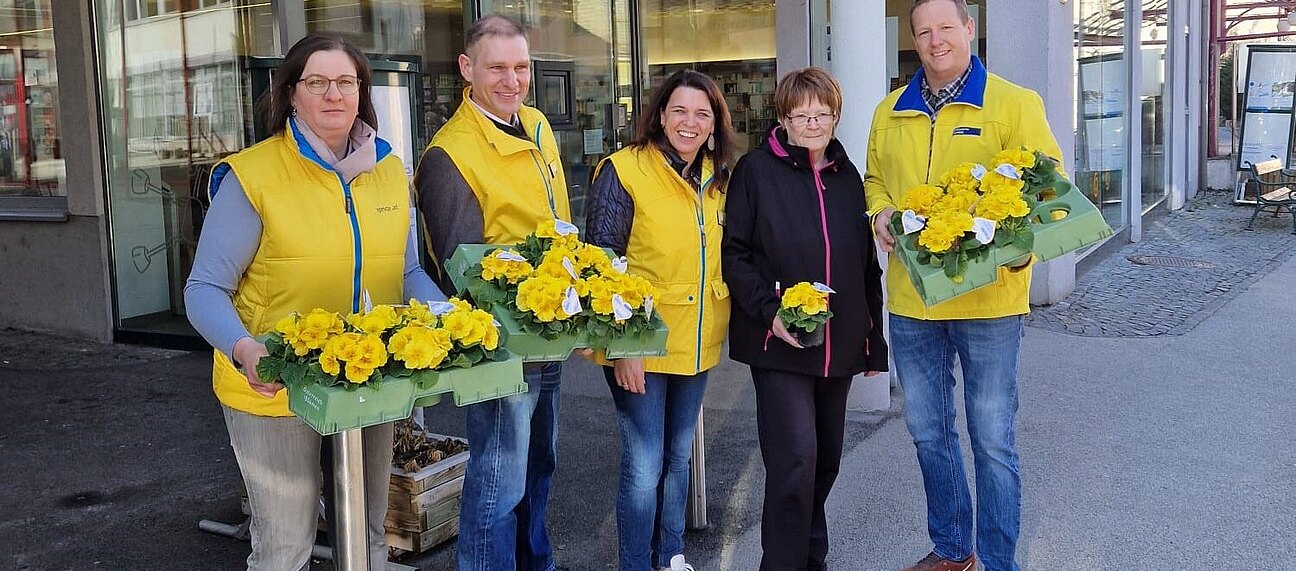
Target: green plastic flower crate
column 481, row 382
column 464, row 257
column 1083, row 225
column 652, row 343
column 931, row 282
column 533, row 347
column 330, row 410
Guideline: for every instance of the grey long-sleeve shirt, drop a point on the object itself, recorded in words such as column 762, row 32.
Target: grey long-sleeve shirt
column 230, row 238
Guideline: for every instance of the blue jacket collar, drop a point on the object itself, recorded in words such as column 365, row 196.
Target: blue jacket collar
column 973, row 91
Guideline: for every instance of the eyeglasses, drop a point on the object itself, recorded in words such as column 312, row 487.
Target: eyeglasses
column 821, row 119
column 319, row 85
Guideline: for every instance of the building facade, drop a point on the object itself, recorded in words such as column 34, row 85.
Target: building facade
column 112, row 112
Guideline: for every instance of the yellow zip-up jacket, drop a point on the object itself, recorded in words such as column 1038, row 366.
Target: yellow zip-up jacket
column 907, row 147
column 323, row 244
column 517, row 183
column 675, row 244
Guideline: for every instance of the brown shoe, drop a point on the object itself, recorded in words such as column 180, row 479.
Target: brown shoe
column 933, row 562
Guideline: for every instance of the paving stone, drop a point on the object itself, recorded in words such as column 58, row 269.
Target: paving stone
column 1118, row 298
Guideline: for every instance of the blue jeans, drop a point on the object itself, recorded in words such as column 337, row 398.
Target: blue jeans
column 988, row 350
column 510, row 469
column 657, row 430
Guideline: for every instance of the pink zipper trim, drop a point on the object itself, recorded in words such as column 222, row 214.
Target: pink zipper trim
column 823, row 224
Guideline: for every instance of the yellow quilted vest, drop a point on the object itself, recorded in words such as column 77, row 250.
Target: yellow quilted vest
column 323, row 244
column 675, row 244
column 517, row 183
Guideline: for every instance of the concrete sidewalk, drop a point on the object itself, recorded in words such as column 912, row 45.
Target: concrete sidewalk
column 1160, row 451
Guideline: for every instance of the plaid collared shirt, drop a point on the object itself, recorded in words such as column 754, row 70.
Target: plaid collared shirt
column 944, row 95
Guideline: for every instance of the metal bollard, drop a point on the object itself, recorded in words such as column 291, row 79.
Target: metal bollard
column 695, row 512
column 351, row 529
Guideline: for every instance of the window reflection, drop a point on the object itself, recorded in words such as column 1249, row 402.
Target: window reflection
column 732, row 41
column 31, row 160
column 1101, row 101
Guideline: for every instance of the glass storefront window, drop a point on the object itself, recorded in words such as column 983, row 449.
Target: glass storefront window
column 732, row 41
column 1153, row 97
column 31, row 161
column 1101, row 147
column 175, row 101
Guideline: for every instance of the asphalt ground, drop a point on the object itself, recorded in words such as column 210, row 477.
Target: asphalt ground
column 1162, row 450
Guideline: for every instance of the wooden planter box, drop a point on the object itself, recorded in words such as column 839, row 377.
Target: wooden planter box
column 423, row 506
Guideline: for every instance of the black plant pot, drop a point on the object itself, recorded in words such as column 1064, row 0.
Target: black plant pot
column 812, row 339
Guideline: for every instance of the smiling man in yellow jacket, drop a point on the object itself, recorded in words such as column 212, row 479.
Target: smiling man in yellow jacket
column 490, row 175
column 953, row 112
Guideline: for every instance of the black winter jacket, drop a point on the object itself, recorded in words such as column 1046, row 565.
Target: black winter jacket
column 784, row 226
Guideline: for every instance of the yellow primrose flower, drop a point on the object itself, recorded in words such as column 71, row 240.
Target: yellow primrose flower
column 960, row 178
column 549, row 229
column 287, row 326
column 329, row 363
column 542, row 295
column 805, row 297
column 921, row 198
column 326, row 321
column 944, row 229
column 370, row 353
column 994, row 183
column 1000, row 205
column 377, row 320
column 343, row 346
column 512, row 271
column 420, row 347
column 419, row 314
column 957, row 201
column 591, row 256
column 490, row 340
column 463, row 328
column 357, row 374
column 1021, row 158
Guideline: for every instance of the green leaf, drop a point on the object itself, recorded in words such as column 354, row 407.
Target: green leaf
column 423, row 378
column 269, row 369
column 293, row 373
column 951, row 264
column 461, row 361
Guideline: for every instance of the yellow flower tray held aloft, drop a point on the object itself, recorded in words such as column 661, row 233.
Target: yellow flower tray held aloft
column 329, row 410
column 533, row 347
column 1060, row 224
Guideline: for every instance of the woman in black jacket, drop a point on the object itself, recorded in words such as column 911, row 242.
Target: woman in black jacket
column 795, row 213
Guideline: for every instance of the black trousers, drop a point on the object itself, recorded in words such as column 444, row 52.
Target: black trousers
column 801, row 421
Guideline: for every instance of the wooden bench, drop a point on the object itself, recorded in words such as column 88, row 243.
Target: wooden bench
column 1272, row 186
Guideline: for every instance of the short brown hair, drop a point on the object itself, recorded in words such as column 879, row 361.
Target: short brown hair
column 804, row 85
column 492, row 25
column 960, row 5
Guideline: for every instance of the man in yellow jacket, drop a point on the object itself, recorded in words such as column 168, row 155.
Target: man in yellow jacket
column 953, row 112
column 490, row 175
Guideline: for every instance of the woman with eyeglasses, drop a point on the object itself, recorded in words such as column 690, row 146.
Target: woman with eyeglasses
column 795, row 213
column 316, row 215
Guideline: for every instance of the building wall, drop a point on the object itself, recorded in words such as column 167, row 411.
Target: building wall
column 54, row 275
column 54, row 279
